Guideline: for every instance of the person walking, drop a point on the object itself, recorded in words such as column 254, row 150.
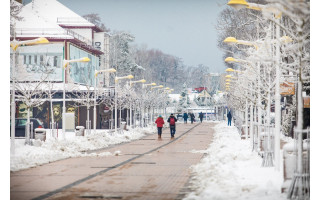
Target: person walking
column 185, row 117
column 201, row 116
column 172, row 122
column 229, row 118
column 192, row 118
column 159, row 121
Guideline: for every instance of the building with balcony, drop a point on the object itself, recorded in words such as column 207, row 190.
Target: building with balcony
column 71, row 37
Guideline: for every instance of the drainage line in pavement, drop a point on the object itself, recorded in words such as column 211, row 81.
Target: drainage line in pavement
column 49, row 194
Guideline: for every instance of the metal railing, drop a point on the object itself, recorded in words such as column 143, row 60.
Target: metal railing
column 52, row 32
column 300, row 185
column 29, row 133
column 267, row 145
column 53, row 126
column 88, row 127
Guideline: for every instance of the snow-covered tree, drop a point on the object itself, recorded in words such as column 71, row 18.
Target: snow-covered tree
column 32, row 94
column 184, row 100
column 96, row 20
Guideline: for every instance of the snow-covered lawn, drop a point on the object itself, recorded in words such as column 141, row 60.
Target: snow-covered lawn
column 53, row 149
column 230, row 170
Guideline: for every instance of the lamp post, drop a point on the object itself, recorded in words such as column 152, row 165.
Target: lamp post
column 14, row 45
column 111, row 70
column 115, row 102
column 131, row 83
column 145, row 85
column 65, row 65
column 157, row 87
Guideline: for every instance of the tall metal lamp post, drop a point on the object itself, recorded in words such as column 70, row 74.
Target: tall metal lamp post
column 14, row 45
column 115, row 102
column 111, row 70
column 65, row 65
column 131, row 83
column 145, row 85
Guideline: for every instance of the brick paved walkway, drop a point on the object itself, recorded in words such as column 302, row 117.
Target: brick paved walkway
column 145, row 169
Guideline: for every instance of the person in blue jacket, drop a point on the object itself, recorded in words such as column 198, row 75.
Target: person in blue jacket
column 201, row 116
column 229, row 118
column 185, row 117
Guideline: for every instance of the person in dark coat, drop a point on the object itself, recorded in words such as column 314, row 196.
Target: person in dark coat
column 201, row 116
column 229, row 118
column 192, row 118
column 172, row 123
column 185, row 117
column 159, row 121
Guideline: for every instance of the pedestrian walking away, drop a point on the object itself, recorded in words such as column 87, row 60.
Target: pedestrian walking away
column 159, row 121
column 229, row 118
column 201, row 116
column 185, row 117
column 192, row 118
column 172, row 123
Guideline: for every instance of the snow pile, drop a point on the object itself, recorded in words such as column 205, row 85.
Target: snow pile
column 232, row 171
column 53, row 149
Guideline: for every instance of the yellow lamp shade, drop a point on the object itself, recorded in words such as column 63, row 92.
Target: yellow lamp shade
column 286, row 39
column 238, row 4
column 42, row 40
column 228, row 80
column 227, row 83
column 130, row 77
column 85, row 59
column 230, row 40
column 229, row 70
column 230, row 59
column 228, row 76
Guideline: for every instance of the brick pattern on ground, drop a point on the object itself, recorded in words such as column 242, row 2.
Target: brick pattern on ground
column 161, row 174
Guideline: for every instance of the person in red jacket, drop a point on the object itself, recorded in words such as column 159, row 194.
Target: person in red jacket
column 159, row 121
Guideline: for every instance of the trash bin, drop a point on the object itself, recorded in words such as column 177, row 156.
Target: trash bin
column 123, row 126
column 40, row 134
column 79, row 130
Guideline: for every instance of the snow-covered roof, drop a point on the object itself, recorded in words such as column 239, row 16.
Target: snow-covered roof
column 34, row 25
column 177, row 96
column 55, row 12
column 204, row 93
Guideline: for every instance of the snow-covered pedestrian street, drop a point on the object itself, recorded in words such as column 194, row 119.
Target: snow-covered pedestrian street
column 228, row 170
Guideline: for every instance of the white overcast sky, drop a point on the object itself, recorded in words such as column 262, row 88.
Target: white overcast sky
column 183, row 28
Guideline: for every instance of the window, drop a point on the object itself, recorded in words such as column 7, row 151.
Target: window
column 29, row 59
column 55, row 61
column 35, row 59
column 24, row 59
column 22, row 122
column 41, row 58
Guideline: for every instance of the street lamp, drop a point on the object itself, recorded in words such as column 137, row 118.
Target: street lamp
column 160, row 86
column 65, row 65
column 150, row 84
column 116, row 80
column 111, row 70
column 139, row 81
column 14, row 45
column 131, row 83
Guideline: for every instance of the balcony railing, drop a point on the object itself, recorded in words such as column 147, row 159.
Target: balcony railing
column 52, row 32
column 67, row 20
